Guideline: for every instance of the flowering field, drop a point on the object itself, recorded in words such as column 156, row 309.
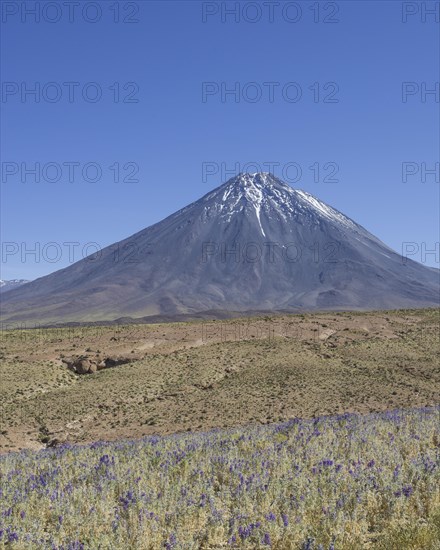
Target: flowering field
column 344, row 482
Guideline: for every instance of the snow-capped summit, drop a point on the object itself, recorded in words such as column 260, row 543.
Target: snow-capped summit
column 265, row 192
column 251, row 244
column 12, row 283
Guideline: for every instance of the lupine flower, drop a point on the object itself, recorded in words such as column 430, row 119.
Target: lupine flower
column 12, row 536
column 171, row 542
column 141, row 488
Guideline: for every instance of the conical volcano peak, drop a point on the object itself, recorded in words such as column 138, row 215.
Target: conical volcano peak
column 251, row 244
column 259, row 180
column 255, row 188
column 264, row 193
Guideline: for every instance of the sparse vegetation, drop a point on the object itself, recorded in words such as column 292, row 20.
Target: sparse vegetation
column 341, row 483
column 179, row 370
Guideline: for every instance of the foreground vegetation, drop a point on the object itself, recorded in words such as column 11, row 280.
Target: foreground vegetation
column 342, row 482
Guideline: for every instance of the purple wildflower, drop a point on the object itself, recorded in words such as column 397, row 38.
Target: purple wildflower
column 12, row 536
column 171, row 542
column 244, row 532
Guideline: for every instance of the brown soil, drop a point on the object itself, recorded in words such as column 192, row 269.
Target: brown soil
column 201, row 375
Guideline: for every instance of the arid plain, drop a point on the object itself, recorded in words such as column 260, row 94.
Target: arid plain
column 195, row 376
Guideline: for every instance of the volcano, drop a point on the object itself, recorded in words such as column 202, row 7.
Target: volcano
column 253, row 244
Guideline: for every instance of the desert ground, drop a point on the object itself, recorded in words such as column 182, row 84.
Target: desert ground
column 195, row 376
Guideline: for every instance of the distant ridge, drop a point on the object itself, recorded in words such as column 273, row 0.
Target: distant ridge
column 5, row 286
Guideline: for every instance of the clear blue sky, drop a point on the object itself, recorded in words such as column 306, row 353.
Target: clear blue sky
column 170, row 132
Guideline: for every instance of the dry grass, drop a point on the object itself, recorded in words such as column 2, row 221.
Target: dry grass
column 197, row 376
column 335, row 483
